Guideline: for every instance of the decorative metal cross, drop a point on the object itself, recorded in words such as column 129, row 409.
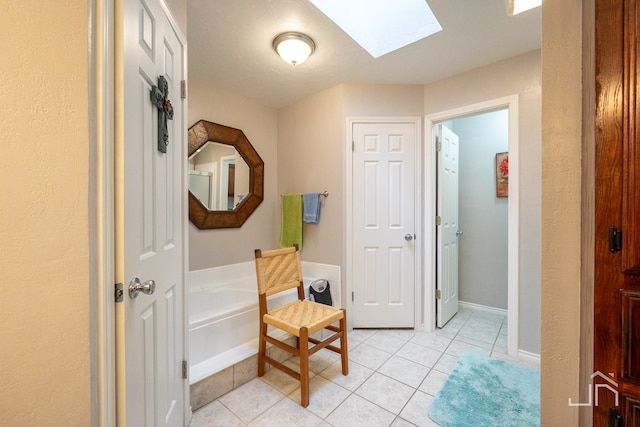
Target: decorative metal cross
column 165, row 111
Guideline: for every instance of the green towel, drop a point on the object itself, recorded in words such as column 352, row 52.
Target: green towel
column 291, row 221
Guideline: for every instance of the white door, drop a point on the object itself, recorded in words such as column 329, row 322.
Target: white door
column 447, row 230
column 149, row 216
column 383, row 224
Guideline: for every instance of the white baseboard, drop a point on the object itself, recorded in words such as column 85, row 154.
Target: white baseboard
column 485, row 308
column 529, row 357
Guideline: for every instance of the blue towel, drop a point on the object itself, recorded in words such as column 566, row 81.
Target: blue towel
column 311, row 203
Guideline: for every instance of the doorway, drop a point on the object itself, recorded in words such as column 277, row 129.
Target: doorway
column 430, row 185
column 141, row 340
column 480, row 234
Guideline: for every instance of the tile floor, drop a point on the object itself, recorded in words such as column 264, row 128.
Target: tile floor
column 394, row 375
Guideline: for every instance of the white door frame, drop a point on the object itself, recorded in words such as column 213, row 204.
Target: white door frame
column 348, row 192
column 511, row 103
column 102, row 209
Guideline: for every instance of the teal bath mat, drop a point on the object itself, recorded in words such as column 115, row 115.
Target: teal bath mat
column 487, row 392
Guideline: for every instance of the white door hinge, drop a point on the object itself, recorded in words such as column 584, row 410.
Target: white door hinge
column 183, row 89
column 438, row 294
column 438, row 220
column 185, row 370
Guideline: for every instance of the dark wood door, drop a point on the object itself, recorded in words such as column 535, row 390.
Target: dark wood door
column 617, row 216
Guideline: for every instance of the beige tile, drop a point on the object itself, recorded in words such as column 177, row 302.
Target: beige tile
column 385, row 392
column 286, row 413
column 399, row 422
column 457, row 348
column 282, row 382
column 211, row 388
column 358, row 412
column 419, row 354
column 433, row 383
column 473, row 341
column 416, row 410
column 385, row 342
column 501, row 345
column 405, row 371
column 448, row 332
column 324, row 396
column 504, row 328
column 482, row 318
column 480, row 333
column 360, row 335
column 403, row 334
column 278, row 354
column 446, row 363
column 215, row 415
column 245, row 371
column 294, row 363
column 369, row 356
column 251, row 399
column 431, row 340
column 357, row 375
column 319, row 361
column 361, row 397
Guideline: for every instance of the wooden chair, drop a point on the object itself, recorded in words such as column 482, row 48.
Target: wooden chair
column 278, row 270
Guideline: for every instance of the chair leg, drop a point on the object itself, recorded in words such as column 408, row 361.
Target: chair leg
column 344, row 354
column 262, row 348
column 304, row 367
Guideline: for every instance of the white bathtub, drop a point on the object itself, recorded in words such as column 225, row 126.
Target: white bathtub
column 223, row 314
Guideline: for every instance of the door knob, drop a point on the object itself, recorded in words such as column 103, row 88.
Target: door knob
column 408, row 237
column 135, row 287
column 459, row 233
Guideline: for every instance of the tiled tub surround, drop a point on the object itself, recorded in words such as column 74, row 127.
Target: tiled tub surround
column 393, row 377
column 223, row 326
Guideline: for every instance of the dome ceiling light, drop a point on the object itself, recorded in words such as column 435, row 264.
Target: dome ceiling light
column 294, row 48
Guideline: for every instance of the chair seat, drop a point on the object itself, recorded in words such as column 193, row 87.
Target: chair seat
column 298, row 314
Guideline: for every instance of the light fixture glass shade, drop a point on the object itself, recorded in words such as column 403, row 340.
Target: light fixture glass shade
column 294, row 48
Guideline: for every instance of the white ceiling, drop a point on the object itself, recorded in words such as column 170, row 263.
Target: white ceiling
column 230, row 47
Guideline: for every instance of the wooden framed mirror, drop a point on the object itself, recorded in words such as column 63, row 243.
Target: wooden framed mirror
column 226, row 176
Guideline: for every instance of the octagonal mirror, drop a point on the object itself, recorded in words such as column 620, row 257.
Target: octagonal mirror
column 226, row 176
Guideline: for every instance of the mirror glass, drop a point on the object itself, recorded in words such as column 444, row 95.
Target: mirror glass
column 218, row 176
column 226, row 176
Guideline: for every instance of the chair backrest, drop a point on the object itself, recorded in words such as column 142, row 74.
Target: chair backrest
column 278, row 270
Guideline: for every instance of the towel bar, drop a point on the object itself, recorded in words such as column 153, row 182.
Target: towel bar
column 325, row 193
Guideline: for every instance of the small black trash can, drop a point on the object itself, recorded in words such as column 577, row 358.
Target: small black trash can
column 320, row 291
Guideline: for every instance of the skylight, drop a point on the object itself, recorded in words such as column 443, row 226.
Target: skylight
column 518, row 6
column 381, row 26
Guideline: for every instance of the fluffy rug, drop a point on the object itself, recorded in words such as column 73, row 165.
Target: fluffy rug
column 483, row 391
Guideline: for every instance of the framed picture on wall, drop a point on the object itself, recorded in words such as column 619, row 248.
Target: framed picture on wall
column 502, row 174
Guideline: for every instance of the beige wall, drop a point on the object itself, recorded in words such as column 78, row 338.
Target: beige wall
column 312, row 152
column 310, row 159
column 383, row 100
column 561, row 210
column 44, row 255
column 519, row 75
column 212, row 248
column 179, row 11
